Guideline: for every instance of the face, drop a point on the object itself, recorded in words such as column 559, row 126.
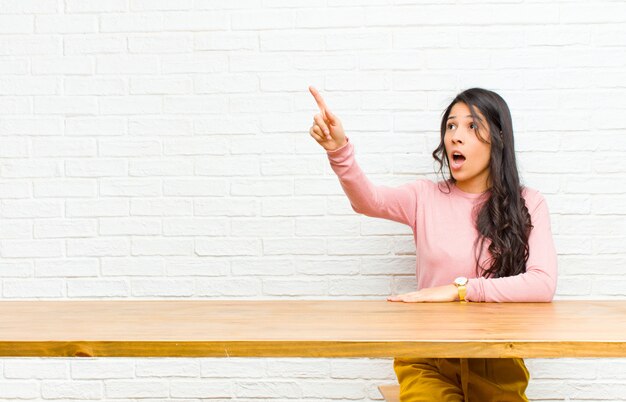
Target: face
column 471, row 170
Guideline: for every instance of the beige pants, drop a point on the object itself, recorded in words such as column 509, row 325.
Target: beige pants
column 454, row 380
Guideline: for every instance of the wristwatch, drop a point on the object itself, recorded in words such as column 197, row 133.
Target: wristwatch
column 460, row 283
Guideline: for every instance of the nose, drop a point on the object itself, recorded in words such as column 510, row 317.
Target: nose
column 457, row 136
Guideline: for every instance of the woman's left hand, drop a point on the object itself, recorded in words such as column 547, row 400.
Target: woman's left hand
column 445, row 293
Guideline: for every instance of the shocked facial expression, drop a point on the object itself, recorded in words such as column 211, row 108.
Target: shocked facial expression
column 468, row 156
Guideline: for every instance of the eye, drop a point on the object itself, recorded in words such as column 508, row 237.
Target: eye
column 474, row 126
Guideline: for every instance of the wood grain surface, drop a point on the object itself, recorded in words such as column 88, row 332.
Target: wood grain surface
column 311, row 328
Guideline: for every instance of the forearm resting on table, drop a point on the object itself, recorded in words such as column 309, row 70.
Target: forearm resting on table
column 535, row 285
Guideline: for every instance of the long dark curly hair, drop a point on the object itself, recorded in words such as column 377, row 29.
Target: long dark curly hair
column 503, row 217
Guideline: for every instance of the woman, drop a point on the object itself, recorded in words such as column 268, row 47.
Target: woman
column 480, row 236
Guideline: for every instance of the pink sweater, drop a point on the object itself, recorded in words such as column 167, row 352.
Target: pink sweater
column 444, row 233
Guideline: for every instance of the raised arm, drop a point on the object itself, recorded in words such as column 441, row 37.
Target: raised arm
column 398, row 204
column 394, row 203
column 538, row 283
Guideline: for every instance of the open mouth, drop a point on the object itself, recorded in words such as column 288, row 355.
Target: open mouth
column 458, row 160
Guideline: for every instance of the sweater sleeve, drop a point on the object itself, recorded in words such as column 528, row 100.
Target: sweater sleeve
column 395, row 203
column 538, row 283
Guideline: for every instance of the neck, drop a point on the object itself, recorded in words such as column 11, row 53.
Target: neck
column 473, row 186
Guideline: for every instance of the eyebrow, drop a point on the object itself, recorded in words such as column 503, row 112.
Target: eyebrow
column 452, row 117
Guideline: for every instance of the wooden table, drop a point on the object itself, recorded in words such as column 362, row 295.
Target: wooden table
column 305, row 328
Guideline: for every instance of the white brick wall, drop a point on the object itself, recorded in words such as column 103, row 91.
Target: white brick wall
column 160, row 149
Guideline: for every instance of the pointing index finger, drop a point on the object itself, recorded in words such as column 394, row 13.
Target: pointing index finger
column 318, row 98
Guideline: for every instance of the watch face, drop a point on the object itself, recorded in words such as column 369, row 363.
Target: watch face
column 461, row 280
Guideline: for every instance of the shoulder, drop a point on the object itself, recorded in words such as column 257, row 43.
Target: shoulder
column 428, row 191
column 425, row 186
column 533, row 198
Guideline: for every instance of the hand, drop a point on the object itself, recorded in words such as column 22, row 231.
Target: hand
column 327, row 129
column 445, row 293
